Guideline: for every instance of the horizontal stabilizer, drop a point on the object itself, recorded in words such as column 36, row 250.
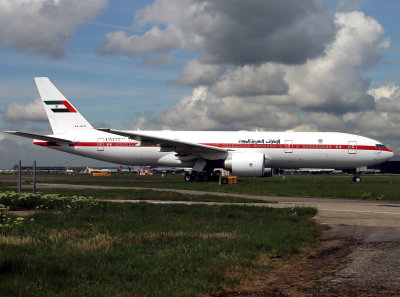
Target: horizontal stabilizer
column 41, row 137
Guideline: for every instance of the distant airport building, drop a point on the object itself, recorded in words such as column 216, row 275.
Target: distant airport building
column 75, row 169
column 45, row 168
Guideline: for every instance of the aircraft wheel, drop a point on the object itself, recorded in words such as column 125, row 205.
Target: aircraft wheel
column 188, row 178
column 196, row 178
column 205, row 178
column 357, row 179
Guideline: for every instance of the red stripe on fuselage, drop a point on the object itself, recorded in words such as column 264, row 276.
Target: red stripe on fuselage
column 299, row 146
column 106, row 144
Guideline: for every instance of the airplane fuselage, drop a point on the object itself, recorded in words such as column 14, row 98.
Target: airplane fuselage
column 281, row 149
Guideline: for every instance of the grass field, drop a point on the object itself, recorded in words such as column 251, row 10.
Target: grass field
column 146, row 250
column 372, row 187
column 132, row 194
column 163, row 250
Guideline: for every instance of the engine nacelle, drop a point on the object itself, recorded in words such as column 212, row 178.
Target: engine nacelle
column 245, row 164
column 268, row 172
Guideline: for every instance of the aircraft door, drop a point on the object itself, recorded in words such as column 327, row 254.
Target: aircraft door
column 352, row 147
column 289, row 146
column 100, row 144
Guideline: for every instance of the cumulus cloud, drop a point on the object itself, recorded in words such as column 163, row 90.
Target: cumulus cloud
column 155, row 40
column 262, row 31
column 195, row 73
column 203, row 110
column 323, row 90
column 251, row 80
column 333, row 82
column 381, row 123
column 247, row 80
column 33, row 111
column 323, row 121
column 385, row 120
column 230, row 31
column 387, row 98
column 270, row 65
column 389, row 91
column 44, row 26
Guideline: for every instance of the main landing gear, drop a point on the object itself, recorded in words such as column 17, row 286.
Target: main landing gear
column 200, row 176
column 356, row 173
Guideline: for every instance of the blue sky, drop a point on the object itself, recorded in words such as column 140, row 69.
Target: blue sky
column 87, row 77
column 109, row 81
column 386, row 12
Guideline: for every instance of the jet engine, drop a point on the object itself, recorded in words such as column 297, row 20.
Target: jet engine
column 246, row 164
column 268, row 172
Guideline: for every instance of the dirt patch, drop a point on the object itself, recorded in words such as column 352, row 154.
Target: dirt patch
column 27, row 213
column 339, row 267
column 13, row 240
column 219, row 235
column 23, row 213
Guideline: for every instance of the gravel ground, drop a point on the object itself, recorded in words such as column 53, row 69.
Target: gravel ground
column 341, row 266
column 371, row 264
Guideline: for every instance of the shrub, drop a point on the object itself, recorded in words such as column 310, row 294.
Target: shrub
column 8, row 223
column 27, row 201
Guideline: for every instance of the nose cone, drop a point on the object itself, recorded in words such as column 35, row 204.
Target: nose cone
column 387, row 154
column 390, row 154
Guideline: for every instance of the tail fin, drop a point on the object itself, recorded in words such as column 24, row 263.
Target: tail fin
column 63, row 116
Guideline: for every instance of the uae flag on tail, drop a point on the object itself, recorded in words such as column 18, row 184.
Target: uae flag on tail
column 60, row 106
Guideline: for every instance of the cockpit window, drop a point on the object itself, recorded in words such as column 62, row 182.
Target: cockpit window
column 379, row 146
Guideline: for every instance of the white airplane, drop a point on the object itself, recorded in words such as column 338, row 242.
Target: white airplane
column 244, row 153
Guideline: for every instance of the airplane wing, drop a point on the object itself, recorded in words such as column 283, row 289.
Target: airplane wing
column 174, row 145
column 41, row 137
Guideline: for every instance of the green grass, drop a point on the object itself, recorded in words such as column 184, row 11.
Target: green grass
column 372, row 187
column 133, row 194
column 145, row 250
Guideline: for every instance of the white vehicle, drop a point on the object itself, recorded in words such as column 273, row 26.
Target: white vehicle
column 89, row 170
column 244, row 153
